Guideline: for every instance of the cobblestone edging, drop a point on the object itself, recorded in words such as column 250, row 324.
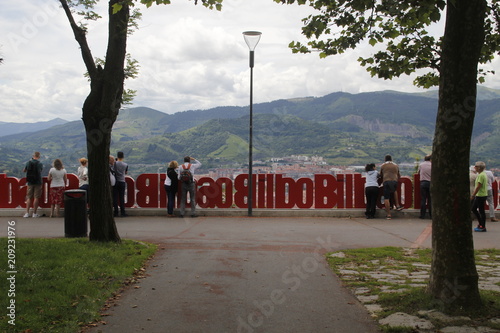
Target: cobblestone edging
column 399, row 279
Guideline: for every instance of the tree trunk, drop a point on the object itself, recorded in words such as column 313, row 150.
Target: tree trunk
column 100, row 110
column 102, row 224
column 99, row 114
column 454, row 279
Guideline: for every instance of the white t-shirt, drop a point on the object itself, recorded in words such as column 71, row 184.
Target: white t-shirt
column 83, row 176
column 491, row 179
column 57, row 177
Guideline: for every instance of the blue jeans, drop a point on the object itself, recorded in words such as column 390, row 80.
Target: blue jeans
column 119, row 197
column 171, row 192
column 86, row 188
column 425, row 197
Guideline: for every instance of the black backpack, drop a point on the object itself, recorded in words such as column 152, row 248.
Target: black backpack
column 33, row 176
column 186, row 176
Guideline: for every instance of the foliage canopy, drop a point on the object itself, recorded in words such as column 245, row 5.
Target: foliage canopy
column 85, row 9
column 399, row 30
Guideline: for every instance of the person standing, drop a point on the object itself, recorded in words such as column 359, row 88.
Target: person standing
column 424, row 170
column 371, row 190
column 112, row 178
column 472, row 179
column 121, row 169
column 171, row 186
column 489, row 199
column 83, row 176
column 33, row 169
column 186, row 176
column 389, row 172
column 57, row 178
column 479, row 196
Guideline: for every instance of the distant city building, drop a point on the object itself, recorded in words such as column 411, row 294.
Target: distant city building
column 295, row 166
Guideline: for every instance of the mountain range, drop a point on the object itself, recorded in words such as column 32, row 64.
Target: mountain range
column 7, row 128
column 344, row 128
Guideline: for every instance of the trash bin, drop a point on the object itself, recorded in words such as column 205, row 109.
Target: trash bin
column 75, row 213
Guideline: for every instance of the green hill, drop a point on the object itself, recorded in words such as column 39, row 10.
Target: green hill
column 343, row 128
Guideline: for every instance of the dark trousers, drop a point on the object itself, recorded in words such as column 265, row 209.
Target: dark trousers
column 192, row 197
column 425, row 198
column 371, row 193
column 86, row 188
column 171, row 193
column 478, row 210
column 119, row 197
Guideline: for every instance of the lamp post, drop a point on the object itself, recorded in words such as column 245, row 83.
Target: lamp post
column 252, row 39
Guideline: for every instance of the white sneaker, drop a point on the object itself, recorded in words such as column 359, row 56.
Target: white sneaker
column 35, row 215
column 26, row 215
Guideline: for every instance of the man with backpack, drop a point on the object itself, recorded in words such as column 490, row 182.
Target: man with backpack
column 186, row 177
column 33, row 169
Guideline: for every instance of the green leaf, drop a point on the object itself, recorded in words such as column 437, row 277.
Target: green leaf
column 117, row 7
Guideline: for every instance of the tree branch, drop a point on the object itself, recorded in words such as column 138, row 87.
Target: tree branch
column 81, row 38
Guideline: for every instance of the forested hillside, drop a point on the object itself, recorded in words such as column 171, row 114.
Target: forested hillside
column 343, row 128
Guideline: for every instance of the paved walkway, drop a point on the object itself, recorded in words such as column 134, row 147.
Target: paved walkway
column 230, row 274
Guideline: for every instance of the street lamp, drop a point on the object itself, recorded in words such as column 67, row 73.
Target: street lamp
column 252, row 39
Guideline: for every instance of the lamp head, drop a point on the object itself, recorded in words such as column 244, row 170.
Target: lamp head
column 252, row 38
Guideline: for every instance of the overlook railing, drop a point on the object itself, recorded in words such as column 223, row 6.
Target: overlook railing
column 324, row 191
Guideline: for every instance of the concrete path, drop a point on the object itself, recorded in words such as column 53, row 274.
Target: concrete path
column 230, row 274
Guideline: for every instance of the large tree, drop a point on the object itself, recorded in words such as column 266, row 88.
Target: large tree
column 400, row 31
column 104, row 101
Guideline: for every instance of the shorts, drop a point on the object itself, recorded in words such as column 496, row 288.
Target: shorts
column 56, row 195
column 390, row 187
column 34, row 191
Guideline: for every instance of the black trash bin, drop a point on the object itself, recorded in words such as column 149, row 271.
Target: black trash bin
column 75, row 213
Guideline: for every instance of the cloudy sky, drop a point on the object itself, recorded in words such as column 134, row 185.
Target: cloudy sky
column 190, row 58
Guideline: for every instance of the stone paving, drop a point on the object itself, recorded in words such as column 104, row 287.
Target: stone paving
column 398, row 280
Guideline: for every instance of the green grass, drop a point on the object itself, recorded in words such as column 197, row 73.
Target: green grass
column 61, row 284
column 358, row 268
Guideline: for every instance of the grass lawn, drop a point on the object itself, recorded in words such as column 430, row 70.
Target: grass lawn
column 396, row 278
column 61, row 284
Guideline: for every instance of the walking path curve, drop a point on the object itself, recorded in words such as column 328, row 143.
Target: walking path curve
column 241, row 274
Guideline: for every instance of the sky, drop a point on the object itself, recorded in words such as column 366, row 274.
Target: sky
column 190, row 58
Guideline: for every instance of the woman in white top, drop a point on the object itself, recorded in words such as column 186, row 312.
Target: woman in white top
column 371, row 190
column 170, row 184
column 57, row 178
column 83, row 176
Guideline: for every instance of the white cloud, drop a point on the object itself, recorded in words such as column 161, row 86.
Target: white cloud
column 189, row 57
